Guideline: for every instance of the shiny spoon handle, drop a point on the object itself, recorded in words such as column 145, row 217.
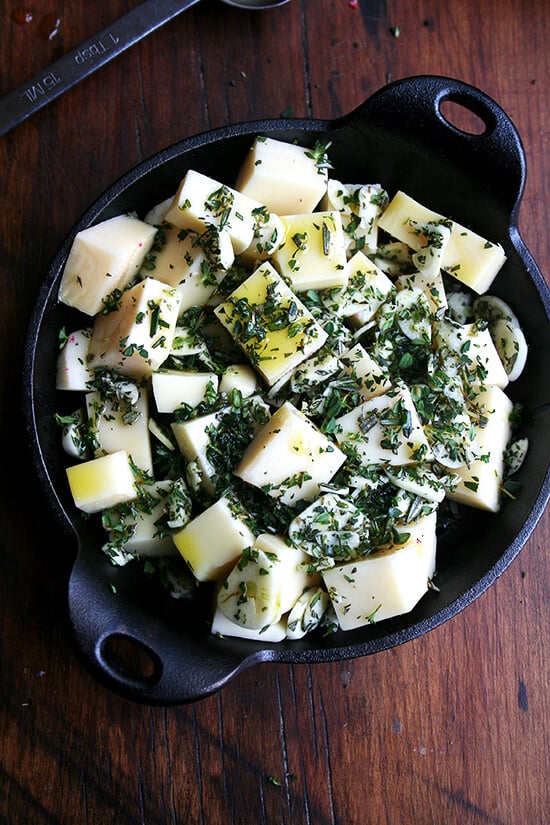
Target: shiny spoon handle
column 83, row 60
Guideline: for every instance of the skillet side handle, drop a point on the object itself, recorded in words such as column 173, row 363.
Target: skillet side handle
column 135, row 653
column 496, row 156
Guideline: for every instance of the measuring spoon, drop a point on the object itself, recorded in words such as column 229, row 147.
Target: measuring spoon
column 96, row 51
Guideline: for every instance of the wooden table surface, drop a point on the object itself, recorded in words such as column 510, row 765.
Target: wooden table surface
column 452, row 727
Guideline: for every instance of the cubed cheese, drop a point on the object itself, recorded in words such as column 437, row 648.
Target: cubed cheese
column 388, row 582
column 285, row 177
column 144, row 524
column 222, row 626
column 313, row 252
column 372, row 379
column 289, row 457
column 136, row 337
column 214, row 540
column 102, row 482
column 470, row 258
column 193, row 263
column 385, row 429
column 480, row 483
column 473, row 352
column 366, row 290
column 174, row 388
column 102, row 258
column 120, row 426
column 292, row 561
column 193, row 439
column 201, row 202
column 270, row 324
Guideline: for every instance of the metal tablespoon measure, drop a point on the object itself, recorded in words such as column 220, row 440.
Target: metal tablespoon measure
column 95, row 52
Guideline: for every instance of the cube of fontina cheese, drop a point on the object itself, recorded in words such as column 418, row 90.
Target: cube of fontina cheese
column 289, row 457
column 102, row 482
column 385, row 429
column 313, row 252
column 193, row 440
column 136, row 337
column 468, row 257
column 480, row 483
column 361, row 365
column 472, row 350
column 283, row 176
column 287, row 333
column 114, row 430
column 213, row 541
column 102, row 258
column 388, row 582
column 292, row 563
column 201, row 202
column 193, row 263
column 174, row 388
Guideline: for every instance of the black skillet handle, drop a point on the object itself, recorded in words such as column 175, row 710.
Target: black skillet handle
column 493, row 160
column 135, row 652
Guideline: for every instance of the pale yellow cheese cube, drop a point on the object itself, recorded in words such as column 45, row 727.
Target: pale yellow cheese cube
column 480, row 483
column 193, row 439
column 102, row 482
column 388, row 582
column 285, row 177
column 72, row 371
column 292, row 567
column 469, row 257
column 119, row 426
column 201, row 202
column 136, row 337
column 315, row 371
column 213, row 541
column 372, row 379
column 385, row 429
column 175, row 388
column 270, row 324
column 313, row 252
column 289, row 457
column 103, row 258
column 473, row 351
column 193, row 263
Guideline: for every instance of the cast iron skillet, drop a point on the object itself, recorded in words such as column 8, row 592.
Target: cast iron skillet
column 400, row 139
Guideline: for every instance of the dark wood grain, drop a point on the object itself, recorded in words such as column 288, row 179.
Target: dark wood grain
column 450, row 728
